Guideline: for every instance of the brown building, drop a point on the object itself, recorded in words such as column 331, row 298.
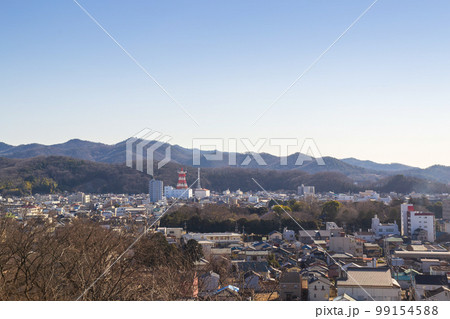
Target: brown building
column 291, row 284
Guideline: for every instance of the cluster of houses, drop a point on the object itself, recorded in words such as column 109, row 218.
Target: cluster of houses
column 318, row 265
column 386, row 262
column 111, row 210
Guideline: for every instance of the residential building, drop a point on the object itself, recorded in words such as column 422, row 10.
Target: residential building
column 441, row 255
column 346, row 244
column 424, row 283
column 372, row 250
column 440, row 294
column 306, row 190
column 417, row 225
column 228, row 293
column 155, row 190
column 288, row 235
column 366, row 284
column 241, row 267
column 368, row 195
column 200, row 193
column 404, row 209
column 426, row 263
column 224, row 239
column 291, row 284
column 175, row 232
column 319, row 288
column 440, row 270
column 209, row 282
column 79, row 197
column 384, row 230
column 275, row 236
column 254, row 255
column 309, row 236
column 331, row 225
column 366, row 236
column 252, row 280
column 180, row 193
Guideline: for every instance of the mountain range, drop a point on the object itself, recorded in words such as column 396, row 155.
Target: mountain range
column 359, row 171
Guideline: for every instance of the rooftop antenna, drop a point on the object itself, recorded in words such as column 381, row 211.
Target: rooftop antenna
column 198, row 177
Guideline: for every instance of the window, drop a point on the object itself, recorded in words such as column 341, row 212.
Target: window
column 323, row 288
column 315, row 287
column 314, row 295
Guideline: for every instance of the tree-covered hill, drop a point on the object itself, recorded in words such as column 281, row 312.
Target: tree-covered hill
column 58, row 174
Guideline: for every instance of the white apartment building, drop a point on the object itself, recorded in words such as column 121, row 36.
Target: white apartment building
column 383, row 230
column 416, row 223
column 176, row 232
column 216, row 238
column 182, row 193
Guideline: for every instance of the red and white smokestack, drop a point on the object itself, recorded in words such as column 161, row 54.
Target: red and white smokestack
column 182, row 180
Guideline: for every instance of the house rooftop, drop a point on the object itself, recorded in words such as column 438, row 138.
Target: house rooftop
column 344, row 297
column 431, row 293
column 290, row 277
column 367, row 277
column 370, row 245
column 440, row 280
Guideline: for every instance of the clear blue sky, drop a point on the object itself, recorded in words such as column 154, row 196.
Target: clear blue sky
column 381, row 93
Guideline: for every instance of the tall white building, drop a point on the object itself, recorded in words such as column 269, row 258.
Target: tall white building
column 404, row 209
column 417, row 224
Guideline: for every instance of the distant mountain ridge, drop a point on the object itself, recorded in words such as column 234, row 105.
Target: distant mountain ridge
column 358, row 170
column 392, row 167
